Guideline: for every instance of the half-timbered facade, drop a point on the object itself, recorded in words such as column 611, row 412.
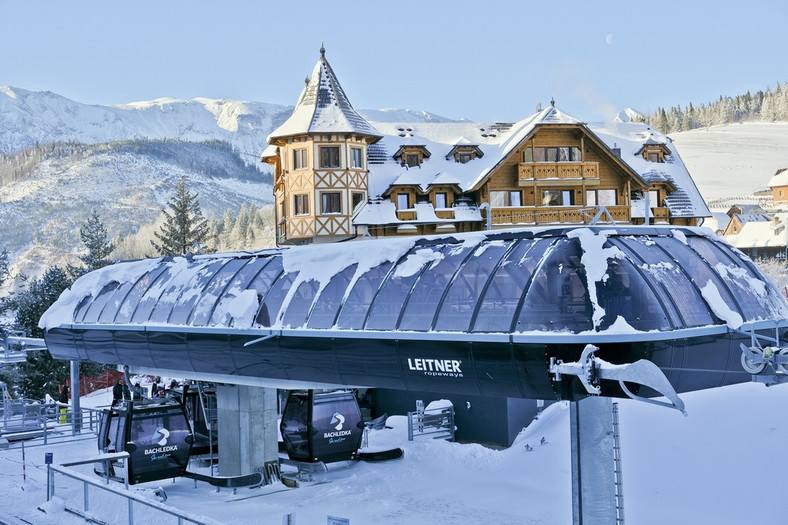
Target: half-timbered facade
column 338, row 176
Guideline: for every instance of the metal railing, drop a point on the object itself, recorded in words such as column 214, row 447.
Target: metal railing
column 22, row 419
column 104, row 502
column 437, row 423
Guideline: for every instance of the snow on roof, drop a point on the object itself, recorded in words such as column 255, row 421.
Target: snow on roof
column 745, row 218
column 323, row 107
column 761, row 234
column 780, row 179
column 496, row 141
column 686, row 200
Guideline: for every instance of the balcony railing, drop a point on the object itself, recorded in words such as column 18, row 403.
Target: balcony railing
column 555, row 214
column 552, row 172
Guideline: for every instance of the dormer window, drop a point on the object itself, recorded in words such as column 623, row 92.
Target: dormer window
column 653, row 151
column 465, row 153
column 411, row 156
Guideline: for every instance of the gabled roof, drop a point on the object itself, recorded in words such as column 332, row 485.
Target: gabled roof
column 323, row 107
column 497, row 141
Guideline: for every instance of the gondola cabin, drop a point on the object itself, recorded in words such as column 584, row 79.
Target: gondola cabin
column 156, row 434
column 321, row 426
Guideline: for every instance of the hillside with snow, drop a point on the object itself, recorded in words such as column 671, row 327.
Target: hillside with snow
column 138, row 151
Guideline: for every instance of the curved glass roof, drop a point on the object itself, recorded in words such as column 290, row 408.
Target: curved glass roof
column 569, row 280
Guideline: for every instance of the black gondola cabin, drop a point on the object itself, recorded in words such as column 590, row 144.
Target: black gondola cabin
column 155, row 433
column 321, row 426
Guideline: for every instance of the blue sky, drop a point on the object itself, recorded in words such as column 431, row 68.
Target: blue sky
column 487, row 61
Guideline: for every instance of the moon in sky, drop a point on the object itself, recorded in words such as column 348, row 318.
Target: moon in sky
column 609, row 38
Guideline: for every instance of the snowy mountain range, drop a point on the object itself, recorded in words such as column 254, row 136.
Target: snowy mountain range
column 123, row 161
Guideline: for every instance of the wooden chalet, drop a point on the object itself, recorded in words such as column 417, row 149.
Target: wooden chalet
column 338, row 176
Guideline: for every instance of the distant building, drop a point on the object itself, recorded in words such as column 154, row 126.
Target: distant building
column 779, row 186
column 338, row 176
column 762, row 239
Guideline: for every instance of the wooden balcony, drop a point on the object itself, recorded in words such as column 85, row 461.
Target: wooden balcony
column 555, row 215
column 558, row 173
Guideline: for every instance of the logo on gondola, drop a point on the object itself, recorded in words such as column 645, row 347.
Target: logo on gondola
column 160, row 437
column 337, row 420
column 164, row 433
column 436, row 367
column 338, row 435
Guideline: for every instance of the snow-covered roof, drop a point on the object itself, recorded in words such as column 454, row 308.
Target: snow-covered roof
column 323, row 107
column 496, row 141
column 466, row 283
column 780, row 179
column 761, row 234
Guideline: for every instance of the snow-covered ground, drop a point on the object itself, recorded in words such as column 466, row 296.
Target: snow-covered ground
column 734, row 160
column 722, row 464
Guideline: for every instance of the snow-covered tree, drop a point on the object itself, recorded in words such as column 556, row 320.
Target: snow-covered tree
column 94, row 237
column 184, row 227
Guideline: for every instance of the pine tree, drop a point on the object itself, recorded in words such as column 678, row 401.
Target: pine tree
column 94, row 237
column 184, row 226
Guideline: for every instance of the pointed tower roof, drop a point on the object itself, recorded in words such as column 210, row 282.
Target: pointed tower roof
column 323, row 107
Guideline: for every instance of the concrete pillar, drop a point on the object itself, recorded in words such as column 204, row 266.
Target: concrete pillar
column 593, row 472
column 247, row 419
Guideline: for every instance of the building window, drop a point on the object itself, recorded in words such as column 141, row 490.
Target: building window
column 412, row 160
column 329, row 156
column 301, row 204
column 356, row 158
column 505, row 198
column 552, row 154
column 440, row 200
column 402, row 201
column 653, row 156
column 299, row 159
column 558, row 197
column 465, row 158
column 330, row 202
column 356, row 198
column 601, row 197
column 653, row 199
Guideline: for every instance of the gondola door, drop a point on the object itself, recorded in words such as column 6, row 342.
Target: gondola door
column 159, row 441
column 321, row 426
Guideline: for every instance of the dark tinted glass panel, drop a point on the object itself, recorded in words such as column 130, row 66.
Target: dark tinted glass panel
column 160, row 290
column 698, row 270
column 300, row 304
column 325, row 309
column 430, row 288
column 262, row 283
column 503, row 295
column 269, row 311
column 203, row 307
column 624, row 293
column 115, row 301
column 97, row 305
column 221, row 314
column 177, row 304
column 356, row 306
column 136, row 294
column 757, row 298
column 557, row 299
column 389, row 301
column 681, row 300
column 459, row 304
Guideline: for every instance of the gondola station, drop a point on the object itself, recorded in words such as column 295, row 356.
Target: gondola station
column 583, row 313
